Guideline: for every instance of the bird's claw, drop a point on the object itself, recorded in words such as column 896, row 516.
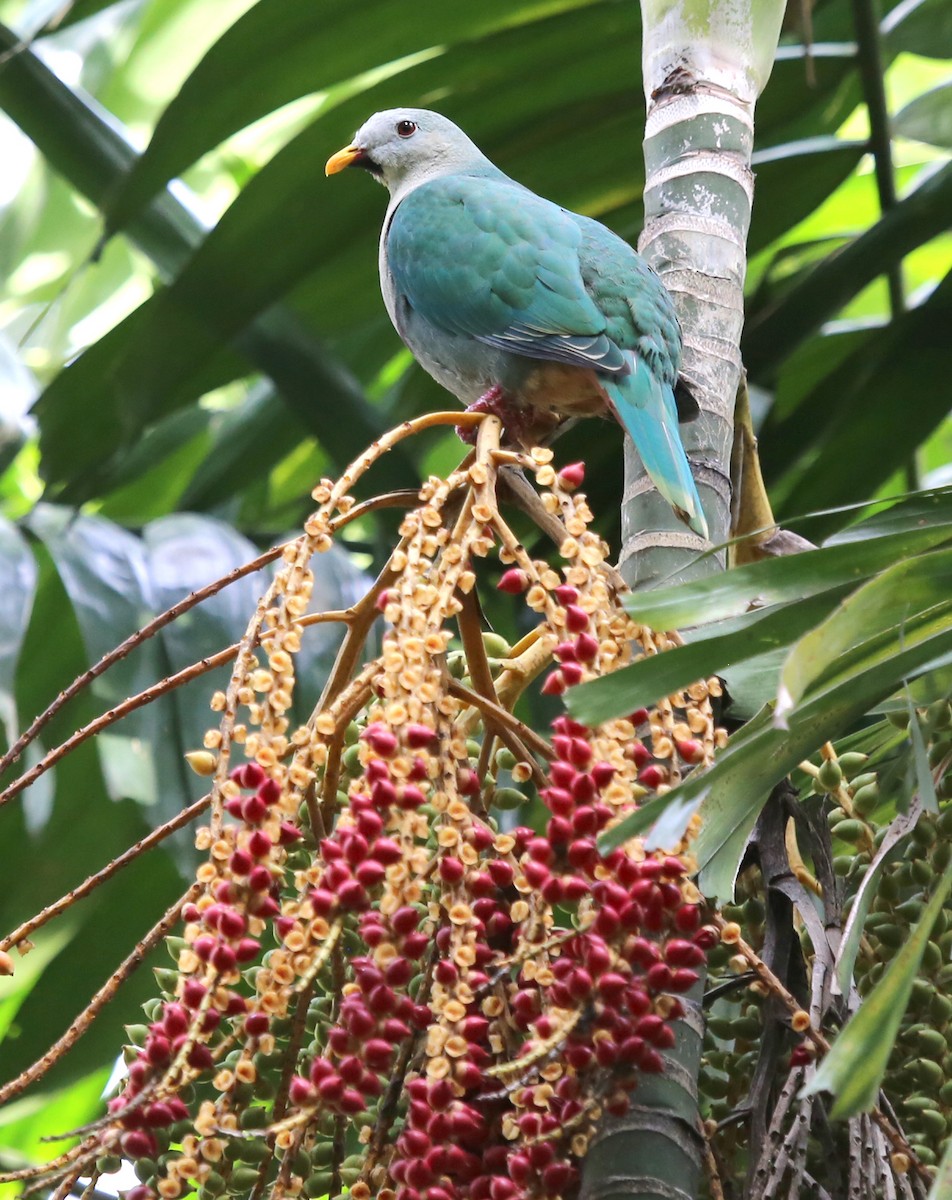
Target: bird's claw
column 496, row 403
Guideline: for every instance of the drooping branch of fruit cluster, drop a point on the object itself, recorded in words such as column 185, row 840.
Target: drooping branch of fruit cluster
column 383, row 981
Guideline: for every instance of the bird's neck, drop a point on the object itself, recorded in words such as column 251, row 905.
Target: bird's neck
column 474, row 165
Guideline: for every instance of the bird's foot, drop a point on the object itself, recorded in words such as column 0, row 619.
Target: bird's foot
column 516, row 420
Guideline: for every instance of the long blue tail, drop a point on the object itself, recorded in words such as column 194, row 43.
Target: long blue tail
column 647, row 410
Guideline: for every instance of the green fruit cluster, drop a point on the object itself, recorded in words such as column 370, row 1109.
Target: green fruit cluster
column 859, row 796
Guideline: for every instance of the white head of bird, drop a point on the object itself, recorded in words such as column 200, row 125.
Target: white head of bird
column 403, row 147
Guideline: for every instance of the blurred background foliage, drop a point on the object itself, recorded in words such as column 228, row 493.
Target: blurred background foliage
column 191, row 334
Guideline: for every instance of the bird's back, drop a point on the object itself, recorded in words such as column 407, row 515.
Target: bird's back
column 639, row 313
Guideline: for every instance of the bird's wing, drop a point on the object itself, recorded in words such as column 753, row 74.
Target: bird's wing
column 639, row 312
column 490, row 260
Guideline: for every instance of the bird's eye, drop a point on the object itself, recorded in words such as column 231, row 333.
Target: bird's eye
column 406, row 128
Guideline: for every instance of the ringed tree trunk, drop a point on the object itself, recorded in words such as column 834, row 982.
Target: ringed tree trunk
column 705, row 62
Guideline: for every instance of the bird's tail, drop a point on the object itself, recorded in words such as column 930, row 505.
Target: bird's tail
column 646, row 408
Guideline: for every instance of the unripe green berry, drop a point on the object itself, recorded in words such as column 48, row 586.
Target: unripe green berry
column 928, row 1072
column 866, row 798
column 213, row 1185
column 852, row 831
column 941, row 856
column 243, row 1179
column 851, row 762
column 496, row 646
column 713, row 1085
column 255, row 1117
column 932, row 1122
column 924, row 831
column 922, row 872
column 861, row 781
column 939, row 714
column 507, row 799
column 931, row 1042
column 830, row 775
column 939, row 751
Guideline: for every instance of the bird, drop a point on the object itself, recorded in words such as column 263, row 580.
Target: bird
column 519, row 306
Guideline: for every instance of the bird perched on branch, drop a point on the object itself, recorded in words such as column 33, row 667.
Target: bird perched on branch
column 518, row 306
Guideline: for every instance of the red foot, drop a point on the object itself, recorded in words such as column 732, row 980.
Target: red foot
column 515, row 420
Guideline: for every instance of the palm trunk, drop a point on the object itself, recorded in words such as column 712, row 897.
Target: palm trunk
column 705, row 63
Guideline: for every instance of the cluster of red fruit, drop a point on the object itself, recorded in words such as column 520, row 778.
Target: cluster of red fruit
column 477, row 1124
column 180, row 1034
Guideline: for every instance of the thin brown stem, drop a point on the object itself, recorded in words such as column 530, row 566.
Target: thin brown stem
column 99, row 1001
column 290, row 1062
column 398, row 499
column 377, row 449
column 130, row 644
column 471, row 634
column 36, row 1176
column 363, row 615
column 110, row 717
column 93, row 881
column 354, row 700
column 503, row 718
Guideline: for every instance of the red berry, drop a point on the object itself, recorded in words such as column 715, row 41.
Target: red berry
column 652, row 776
column 586, row 647
column 572, row 673
column 801, row 1056
column 138, row 1144
column 513, row 581
column 259, row 844
column 370, row 873
column 420, row 736
column 554, row 684
column 301, row 1093
column 689, row 750
column 576, row 618
column 451, row 870
column 386, row 850
column 681, row 953
column 257, row 1023
column 571, row 477
column 380, row 739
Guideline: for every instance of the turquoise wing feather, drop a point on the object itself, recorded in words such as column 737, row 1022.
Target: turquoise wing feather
column 491, row 260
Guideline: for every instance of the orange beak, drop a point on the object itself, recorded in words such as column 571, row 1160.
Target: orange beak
column 343, row 158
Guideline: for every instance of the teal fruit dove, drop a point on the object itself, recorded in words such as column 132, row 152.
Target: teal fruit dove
column 518, row 306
